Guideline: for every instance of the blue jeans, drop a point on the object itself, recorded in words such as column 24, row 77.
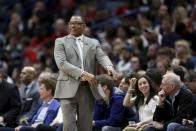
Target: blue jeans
column 173, row 126
column 6, row 129
column 184, row 128
column 24, row 128
column 110, row 128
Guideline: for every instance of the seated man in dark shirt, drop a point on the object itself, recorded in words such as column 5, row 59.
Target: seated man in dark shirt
column 10, row 102
column 175, row 103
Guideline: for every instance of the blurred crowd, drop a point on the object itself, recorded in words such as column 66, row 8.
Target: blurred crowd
column 148, row 37
column 137, row 35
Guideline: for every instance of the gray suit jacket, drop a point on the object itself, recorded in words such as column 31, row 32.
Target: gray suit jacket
column 30, row 103
column 68, row 60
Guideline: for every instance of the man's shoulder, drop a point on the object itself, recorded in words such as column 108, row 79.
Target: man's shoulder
column 63, row 38
column 185, row 92
column 93, row 40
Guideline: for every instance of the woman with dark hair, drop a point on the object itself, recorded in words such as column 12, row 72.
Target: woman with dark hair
column 145, row 101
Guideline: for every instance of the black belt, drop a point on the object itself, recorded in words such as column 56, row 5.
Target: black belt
column 83, row 83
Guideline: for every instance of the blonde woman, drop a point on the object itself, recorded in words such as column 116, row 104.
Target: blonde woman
column 183, row 54
column 179, row 15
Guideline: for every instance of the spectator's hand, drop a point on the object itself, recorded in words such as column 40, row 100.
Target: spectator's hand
column 144, row 126
column 156, row 125
column 162, row 96
column 18, row 128
column 138, row 125
column 1, row 119
column 188, row 123
column 90, row 78
column 33, row 126
column 93, row 123
column 24, row 120
column 132, row 125
column 55, row 122
column 184, row 122
column 112, row 73
column 132, row 83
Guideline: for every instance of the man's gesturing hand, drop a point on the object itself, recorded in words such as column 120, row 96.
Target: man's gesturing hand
column 90, row 78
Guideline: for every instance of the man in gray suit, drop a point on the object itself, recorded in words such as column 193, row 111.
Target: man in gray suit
column 76, row 56
column 29, row 93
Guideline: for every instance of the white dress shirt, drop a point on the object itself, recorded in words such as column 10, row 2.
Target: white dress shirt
column 42, row 114
column 79, row 43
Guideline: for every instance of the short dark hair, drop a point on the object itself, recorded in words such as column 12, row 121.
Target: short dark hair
column 178, row 70
column 82, row 18
column 131, row 75
column 155, row 76
column 50, row 84
column 190, row 76
column 106, row 80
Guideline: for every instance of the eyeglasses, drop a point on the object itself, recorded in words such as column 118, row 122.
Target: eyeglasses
column 134, row 61
column 76, row 23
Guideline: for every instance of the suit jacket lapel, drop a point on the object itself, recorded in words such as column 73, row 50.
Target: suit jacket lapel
column 72, row 41
column 30, row 90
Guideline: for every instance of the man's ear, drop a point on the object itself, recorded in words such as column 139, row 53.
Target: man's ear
column 49, row 91
column 173, row 87
column 83, row 26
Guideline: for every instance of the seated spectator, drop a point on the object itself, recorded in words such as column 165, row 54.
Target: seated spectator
column 29, row 53
column 183, row 55
column 124, row 65
column 56, row 124
column 59, row 29
column 124, row 84
column 145, row 101
column 175, row 103
column 189, row 125
column 169, row 36
column 4, row 68
column 156, row 77
column 10, row 102
column 190, row 81
column 109, row 112
column 127, row 82
column 186, row 125
column 29, row 92
column 180, row 71
column 163, row 65
column 46, row 113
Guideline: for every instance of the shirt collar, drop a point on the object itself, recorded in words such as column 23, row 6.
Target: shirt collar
column 47, row 104
column 81, row 37
column 173, row 97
